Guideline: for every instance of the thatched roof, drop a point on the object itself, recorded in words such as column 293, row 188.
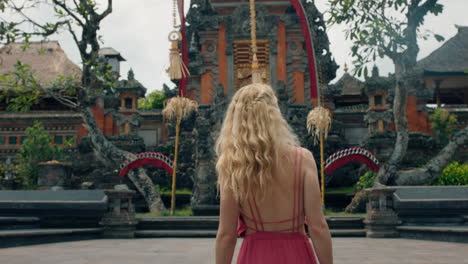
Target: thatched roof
column 348, row 85
column 451, row 57
column 47, row 60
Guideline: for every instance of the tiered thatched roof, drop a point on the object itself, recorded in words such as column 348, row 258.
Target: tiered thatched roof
column 348, row 85
column 47, row 60
column 451, row 57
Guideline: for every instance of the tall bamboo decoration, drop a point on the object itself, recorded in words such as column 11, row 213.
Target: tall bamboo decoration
column 318, row 124
column 177, row 108
column 256, row 75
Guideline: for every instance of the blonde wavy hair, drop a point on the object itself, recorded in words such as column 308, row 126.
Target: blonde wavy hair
column 252, row 137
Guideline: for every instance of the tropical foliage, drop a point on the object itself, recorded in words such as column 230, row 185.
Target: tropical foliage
column 37, row 147
column 443, row 125
column 365, row 181
column 154, row 100
column 454, row 174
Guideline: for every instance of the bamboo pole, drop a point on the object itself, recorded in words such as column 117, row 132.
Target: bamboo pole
column 322, row 168
column 174, row 170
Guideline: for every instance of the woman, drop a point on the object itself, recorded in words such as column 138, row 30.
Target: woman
column 269, row 184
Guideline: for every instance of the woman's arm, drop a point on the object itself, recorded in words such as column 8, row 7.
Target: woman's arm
column 317, row 225
column 226, row 237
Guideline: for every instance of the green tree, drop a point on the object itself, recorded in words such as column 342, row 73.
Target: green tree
column 82, row 20
column 387, row 29
column 37, row 147
column 154, row 100
column 443, row 125
column 19, row 88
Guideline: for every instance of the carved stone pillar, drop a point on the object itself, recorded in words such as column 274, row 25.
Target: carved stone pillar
column 381, row 220
column 204, row 187
column 119, row 221
column 53, row 174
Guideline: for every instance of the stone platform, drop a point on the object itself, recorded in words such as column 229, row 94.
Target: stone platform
column 207, row 226
column 201, row 251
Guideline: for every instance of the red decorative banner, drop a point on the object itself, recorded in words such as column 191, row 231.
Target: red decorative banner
column 185, row 59
column 314, row 93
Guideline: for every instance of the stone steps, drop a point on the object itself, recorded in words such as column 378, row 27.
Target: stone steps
column 345, row 222
column 18, row 222
column 23, row 237
column 465, row 219
column 348, row 232
column 211, row 222
column 206, row 226
column 175, row 233
column 449, row 233
column 178, row 223
column 196, row 233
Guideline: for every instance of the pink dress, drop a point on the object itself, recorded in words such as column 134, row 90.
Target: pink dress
column 281, row 246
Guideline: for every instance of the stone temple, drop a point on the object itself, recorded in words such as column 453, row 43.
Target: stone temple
column 218, row 38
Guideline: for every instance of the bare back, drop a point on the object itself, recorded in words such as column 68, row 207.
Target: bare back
column 282, row 209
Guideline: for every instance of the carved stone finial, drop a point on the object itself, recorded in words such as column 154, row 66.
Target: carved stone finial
column 375, row 71
column 346, row 68
column 130, row 75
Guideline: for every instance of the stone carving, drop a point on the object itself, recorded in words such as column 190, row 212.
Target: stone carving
column 53, row 174
column 325, row 63
column 201, row 16
column 240, row 21
column 205, row 133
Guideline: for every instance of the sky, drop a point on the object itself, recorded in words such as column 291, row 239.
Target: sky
column 138, row 29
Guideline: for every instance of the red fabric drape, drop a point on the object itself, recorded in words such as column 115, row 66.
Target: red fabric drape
column 309, row 47
column 185, row 59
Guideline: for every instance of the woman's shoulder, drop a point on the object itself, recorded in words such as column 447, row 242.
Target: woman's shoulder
column 308, row 161
column 304, row 153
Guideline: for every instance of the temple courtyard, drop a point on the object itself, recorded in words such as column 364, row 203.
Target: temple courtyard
column 200, row 250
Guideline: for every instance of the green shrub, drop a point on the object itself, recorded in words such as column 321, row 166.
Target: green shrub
column 37, row 148
column 2, row 171
column 168, row 190
column 443, row 125
column 365, row 181
column 454, row 174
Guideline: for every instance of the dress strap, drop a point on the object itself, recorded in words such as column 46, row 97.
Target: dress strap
column 300, row 196
column 253, row 216
column 294, row 188
column 272, row 222
column 258, row 213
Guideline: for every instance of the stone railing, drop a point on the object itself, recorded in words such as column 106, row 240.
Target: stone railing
column 381, row 219
column 120, row 220
column 396, row 209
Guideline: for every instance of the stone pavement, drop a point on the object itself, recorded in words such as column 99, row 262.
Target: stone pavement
column 143, row 251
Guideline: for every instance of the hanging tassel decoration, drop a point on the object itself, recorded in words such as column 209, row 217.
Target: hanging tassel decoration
column 177, row 69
